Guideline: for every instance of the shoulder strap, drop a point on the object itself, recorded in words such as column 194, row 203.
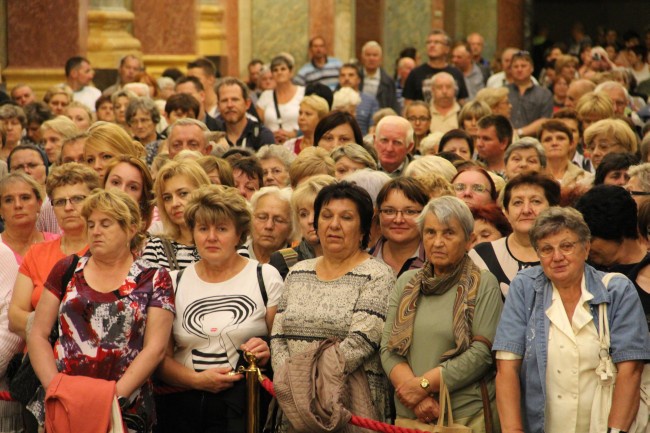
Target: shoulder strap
column 290, row 256
column 67, row 276
column 169, row 253
column 178, row 279
column 260, row 281
column 277, row 109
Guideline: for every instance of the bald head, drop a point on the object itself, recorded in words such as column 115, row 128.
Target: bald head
column 577, row 88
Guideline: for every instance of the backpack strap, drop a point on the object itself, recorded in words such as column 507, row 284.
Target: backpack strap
column 260, row 281
column 178, row 280
column 169, row 253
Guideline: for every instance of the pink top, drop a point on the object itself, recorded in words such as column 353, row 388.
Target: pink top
column 46, row 236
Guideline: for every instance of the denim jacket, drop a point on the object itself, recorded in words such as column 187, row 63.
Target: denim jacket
column 523, row 330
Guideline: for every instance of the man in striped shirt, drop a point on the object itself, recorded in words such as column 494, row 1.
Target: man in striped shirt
column 321, row 68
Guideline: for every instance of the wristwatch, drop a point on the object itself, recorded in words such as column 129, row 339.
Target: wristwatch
column 424, row 383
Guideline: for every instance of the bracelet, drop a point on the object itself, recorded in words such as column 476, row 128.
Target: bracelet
column 615, row 430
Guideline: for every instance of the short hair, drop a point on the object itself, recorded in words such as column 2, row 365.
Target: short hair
column 429, row 163
column 523, row 55
column 198, row 86
column 250, row 166
column 345, row 97
column 616, row 129
column 62, row 125
column 316, row 103
column 19, row 176
column 11, row 111
column 645, row 146
column 82, row 106
column 58, row 89
column 283, row 194
column 473, row 110
column 553, row 220
column 173, row 73
column 370, row 180
column 208, row 67
column 188, row 121
column 147, row 199
column 410, row 187
column 493, row 189
column 429, row 143
column 232, row 81
column 211, row 163
column 118, row 205
column 501, row 124
column 456, row 134
column 37, row 112
column 183, row 102
column 334, row 119
column 435, row 32
column 445, row 208
column 610, row 213
column 321, row 90
column 417, row 103
column 435, row 185
column 643, row 219
column 642, row 173
column 381, row 113
column 609, row 85
column 409, row 139
column 564, row 61
column 188, row 168
column 568, row 113
column 311, row 161
column 165, row 83
column 356, row 153
column 527, row 143
column 126, row 57
column 350, row 191
column 493, row 215
column 123, row 93
column 551, row 187
column 73, row 63
column 281, row 60
column 143, row 104
column 553, row 125
column 71, row 173
column 103, row 99
column 446, row 75
column 214, row 204
column 592, row 103
column 612, row 162
column 276, row 151
column 491, row 96
column 105, row 136
column 32, row 147
column 307, row 191
column 371, row 44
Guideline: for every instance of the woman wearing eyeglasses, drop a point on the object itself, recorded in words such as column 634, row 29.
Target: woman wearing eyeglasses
column 419, row 116
column 399, row 203
column 474, row 186
column 524, row 198
column 547, row 341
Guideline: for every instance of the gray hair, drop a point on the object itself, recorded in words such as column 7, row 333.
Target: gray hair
column 642, row 172
column 345, row 97
column 441, row 75
column 445, row 208
column 187, row 121
column 277, row 151
column 356, row 153
column 608, row 85
column 553, row 220
column 371, row 44
column 165, row 83
column 145, row 104
column 370, row 180
column 283, row 194
column 399, row 121
column 527, row 143
column 431, row 163
column 123, row 94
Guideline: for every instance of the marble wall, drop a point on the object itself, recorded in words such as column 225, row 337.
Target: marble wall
column 166, row 26
column 477, row 16
column 406, row 24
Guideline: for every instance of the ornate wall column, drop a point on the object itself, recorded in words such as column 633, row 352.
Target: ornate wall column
column 211, row 32
column 510, row 18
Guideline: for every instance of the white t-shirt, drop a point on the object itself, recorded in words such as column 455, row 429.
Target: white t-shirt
column 288, row 111
column 214, row 319
column 88, row 96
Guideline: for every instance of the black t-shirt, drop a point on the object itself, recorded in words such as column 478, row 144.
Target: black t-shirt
column 418, row 83
column 632, row 271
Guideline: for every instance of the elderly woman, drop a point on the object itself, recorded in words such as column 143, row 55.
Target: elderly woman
column 104, row 109
column 419, row 116
column 80, row 115
column 108, row 282
column 174, row 249
column 279, row 107
column 275, row 160
column 547, row 343
column 609, row 136
column 470, row 114
column 248, row 175
column 343, row 294
column 440, row 324
column 592, row 107
column 524, row 198
column 311, row 162
column 431, row 163
column 350, row 158
column 490, row 224
column 54, row 133
column 199, row 360
column 337, row 129
column 557, row 140
column 67, row 187
column 496, row 99
column 272, row 227
column 459, row 142
column 106, row 141
column 312, row 109
column 13, row 122
column 302, row 206
column 523, row 156
column 399, row 203
column 217, row 169
column 474, row 186
column 613, row 169
column 58, row 97
column 639, row 184
column 142, row 116
column 121, row 100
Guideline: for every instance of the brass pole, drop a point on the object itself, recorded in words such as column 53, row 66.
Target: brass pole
column 253, row 394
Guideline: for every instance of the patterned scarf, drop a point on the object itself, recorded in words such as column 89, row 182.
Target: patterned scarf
column 465, row 277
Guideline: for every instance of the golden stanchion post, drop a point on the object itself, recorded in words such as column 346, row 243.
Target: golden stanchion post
column 252, row 393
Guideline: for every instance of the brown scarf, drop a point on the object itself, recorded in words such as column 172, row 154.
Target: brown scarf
column 465, row 277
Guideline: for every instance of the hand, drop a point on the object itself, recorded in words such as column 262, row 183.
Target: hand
column 410, row 393
column 427, row 410
column 217, row 379
column 259, row 348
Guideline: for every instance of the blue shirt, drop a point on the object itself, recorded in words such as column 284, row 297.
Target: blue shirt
column 523, row 330
column 328, row 74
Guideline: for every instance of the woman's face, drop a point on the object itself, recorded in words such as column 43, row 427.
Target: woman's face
column 271, row 223
column 306, row 221
column 521, row 161
column 105, row 112
column 400, row 228
column 58, row 103
column 473, row 188
column 560, row 87
column 485, row 231
column 98, row 159
column 80, row 117
column 460, row 147
column 339, row 227
column 275, row 172
column 19, row 206
column 556, row 145
column 526, row 202
column 52, row 144
column 602, row 145
column 13, row 130
column 281, row 73
column 30, row 162
column 119, row 109
column 336, row 137
column 307, row 119
column 216, row 243
column 503, row 107
column 560, row 266
column 470, row 125
column 105, row 236
column 127, row 178
column 266, row 81
column 142, row 127
column 214, row 177
column 246, row 185
column 444, row 244
column 175, row 195
column 420, row 119
column 345, row 166
column 67, row 201
column 617, row 177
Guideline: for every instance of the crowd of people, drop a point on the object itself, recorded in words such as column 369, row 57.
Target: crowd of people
column 320, row 217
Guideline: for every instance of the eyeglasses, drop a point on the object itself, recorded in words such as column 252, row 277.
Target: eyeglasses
column 639, row 193
column 475, row 187
column 566, row 248
column 415, row 119
column 74, row 200
column 263, row 218
column 406, row 213
column 27, row 166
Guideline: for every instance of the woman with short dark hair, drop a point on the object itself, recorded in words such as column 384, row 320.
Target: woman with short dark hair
column 337, row 129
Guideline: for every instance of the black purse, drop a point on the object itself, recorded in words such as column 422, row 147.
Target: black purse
column 23, row 382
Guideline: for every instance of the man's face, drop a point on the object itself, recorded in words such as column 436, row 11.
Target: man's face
column 572, row 124
column 83, row 74
column 521, row 70
column 232, row 104
column 371, row 58
column 254, row 72
column 348, row 77
column 189, row 89
column 129, row 69
column 603, row 252
column 617, row 95
column 187, row 137
column 390, row 143
column 318, row 49
column 506, row 60
column 461, row 58
column 443, row 91
column 475, row 43
column 207, row 81
column 437, row 47
column 488, row 145
column 23, row 95
column 406, row 65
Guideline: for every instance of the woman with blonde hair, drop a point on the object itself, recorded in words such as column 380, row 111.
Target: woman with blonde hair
column 496, row 99
column 471, row 113
column 592, row 107
column 80, row 114
column 106, row 141
column 58, row 97
column 312, row 109
column 54, row 133
column 120, row 100
column 310, row 162
column 350, row 158
column 217, row 169
column 609, row 136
